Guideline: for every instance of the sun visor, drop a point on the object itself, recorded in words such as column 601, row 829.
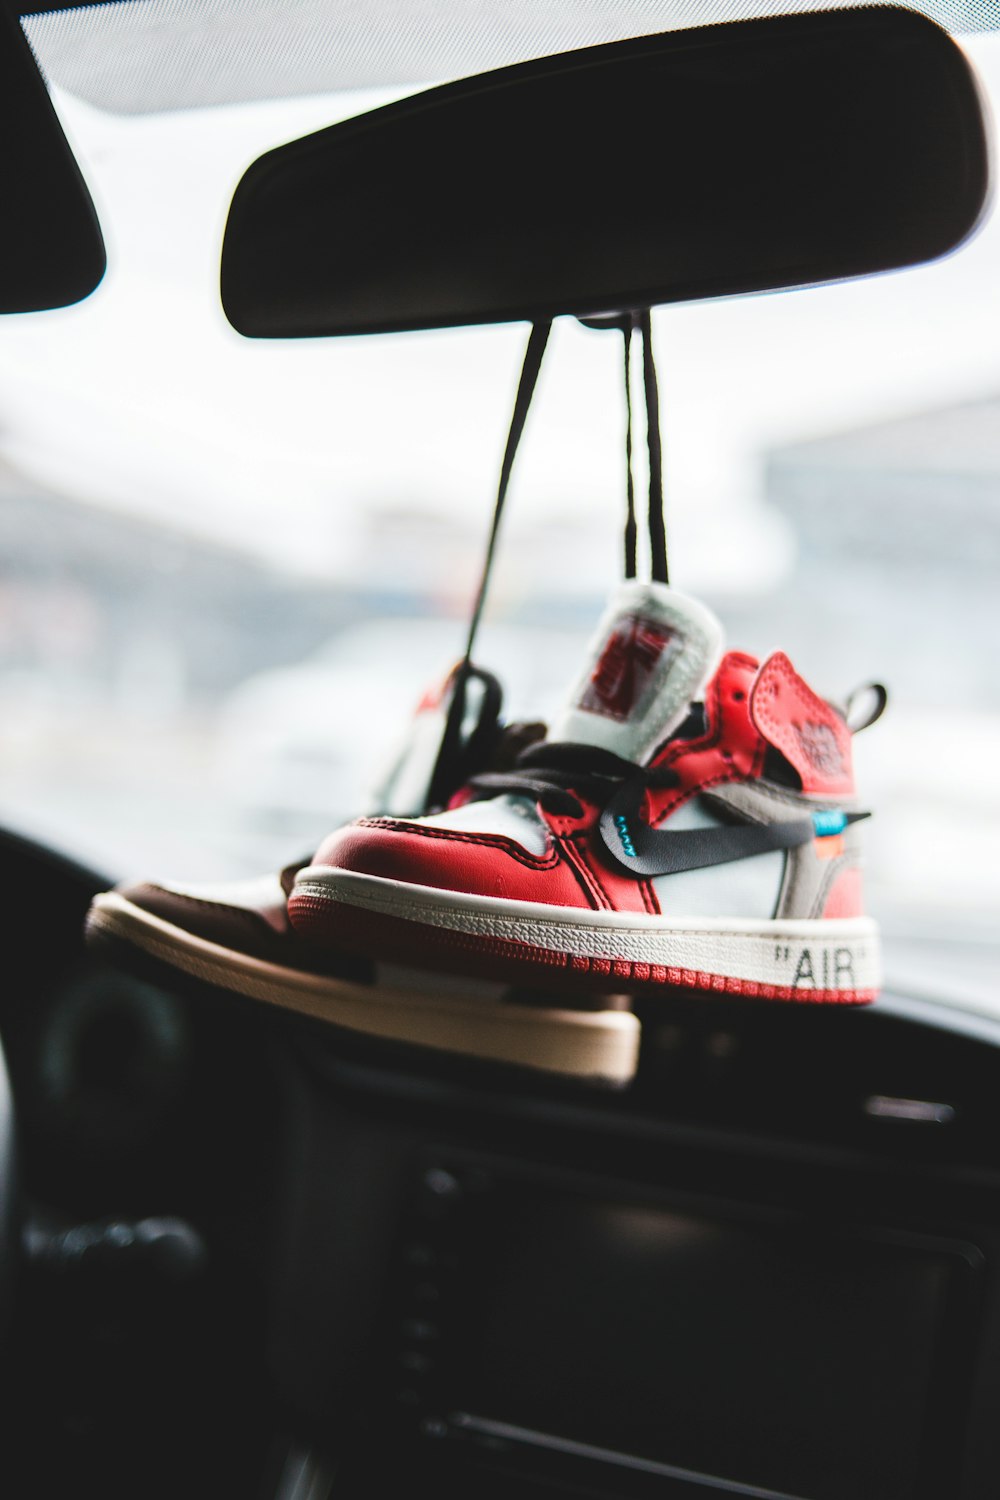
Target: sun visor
column 747, row 157
column 51, row 250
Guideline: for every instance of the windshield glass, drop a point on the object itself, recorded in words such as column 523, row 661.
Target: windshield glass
column 229, row 569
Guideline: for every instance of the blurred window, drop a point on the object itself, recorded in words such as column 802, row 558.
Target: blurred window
column 228, row 569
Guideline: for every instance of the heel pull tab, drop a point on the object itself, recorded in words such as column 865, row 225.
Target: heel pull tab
column 857, row 719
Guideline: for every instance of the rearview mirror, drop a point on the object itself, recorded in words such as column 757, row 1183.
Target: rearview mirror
column 51, row 251
column 727, row 159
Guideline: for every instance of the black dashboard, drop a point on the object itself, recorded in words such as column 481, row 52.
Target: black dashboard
column 766, row 1268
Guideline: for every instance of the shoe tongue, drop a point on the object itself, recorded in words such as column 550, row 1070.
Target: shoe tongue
column 653, row 652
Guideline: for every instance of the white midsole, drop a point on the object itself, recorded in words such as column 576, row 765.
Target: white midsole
column 600, row 1045
column 826, row 954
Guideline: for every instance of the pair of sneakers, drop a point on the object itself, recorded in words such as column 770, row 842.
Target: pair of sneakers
column 689, row 820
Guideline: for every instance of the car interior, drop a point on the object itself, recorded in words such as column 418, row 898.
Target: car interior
column 533, row 1243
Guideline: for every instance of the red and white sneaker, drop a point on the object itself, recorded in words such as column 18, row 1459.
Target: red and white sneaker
column 653, row 840
column 236, row 936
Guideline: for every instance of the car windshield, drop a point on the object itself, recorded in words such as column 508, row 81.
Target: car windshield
column 228, row 569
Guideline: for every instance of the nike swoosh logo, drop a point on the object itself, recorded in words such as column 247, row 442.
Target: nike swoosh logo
column 645, row 851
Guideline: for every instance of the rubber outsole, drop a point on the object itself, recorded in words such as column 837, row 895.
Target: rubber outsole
column 598, row 1046
column 521, row 943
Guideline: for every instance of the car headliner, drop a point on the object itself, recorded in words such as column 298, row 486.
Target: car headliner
column 143, row 56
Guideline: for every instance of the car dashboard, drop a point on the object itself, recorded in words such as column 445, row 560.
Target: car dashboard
column 767, row 1267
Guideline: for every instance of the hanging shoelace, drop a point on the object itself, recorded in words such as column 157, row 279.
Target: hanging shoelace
column 461, row 749
column 552, row 772
column 658, row 568
column 631, row 529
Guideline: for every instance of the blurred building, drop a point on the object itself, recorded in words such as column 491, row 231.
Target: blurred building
column 898, row 536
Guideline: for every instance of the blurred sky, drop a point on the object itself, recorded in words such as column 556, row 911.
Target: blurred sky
column 144, row 398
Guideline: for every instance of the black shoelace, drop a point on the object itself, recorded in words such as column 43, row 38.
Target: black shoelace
column 456, row 738
column 658, row 566
column 454, row 759
column 558, row 774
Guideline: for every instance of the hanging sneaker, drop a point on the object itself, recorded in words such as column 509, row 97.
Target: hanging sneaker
column 236, row 936
column 691, row 821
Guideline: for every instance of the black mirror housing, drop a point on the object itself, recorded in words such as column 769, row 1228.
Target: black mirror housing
column 722, row 160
